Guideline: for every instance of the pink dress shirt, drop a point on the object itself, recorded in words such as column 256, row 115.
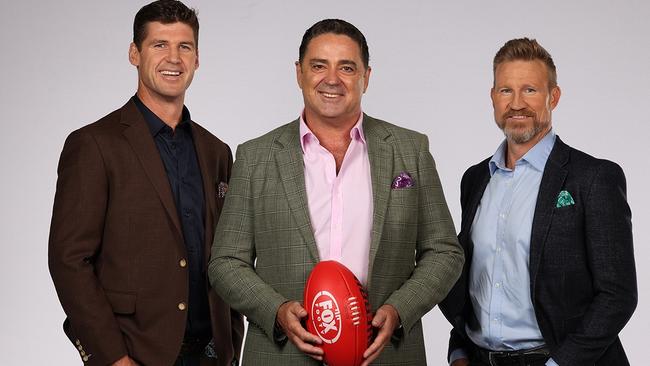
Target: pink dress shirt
column 340, row 206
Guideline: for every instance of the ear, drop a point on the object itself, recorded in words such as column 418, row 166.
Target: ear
column 555, row 96
column 299, row 74
column 134, row 55
column 492, row 91
column 366, row 78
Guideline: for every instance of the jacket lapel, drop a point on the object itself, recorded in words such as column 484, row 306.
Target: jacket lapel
column 380, row 155
column 292, row 172
column 477, row 188
column 552, row 181
column 139, row 137
column 207, row 174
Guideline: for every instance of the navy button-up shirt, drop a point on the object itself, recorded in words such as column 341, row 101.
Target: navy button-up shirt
column 177, row 152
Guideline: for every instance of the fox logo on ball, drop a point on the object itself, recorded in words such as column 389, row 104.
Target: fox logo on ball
column 326, row 317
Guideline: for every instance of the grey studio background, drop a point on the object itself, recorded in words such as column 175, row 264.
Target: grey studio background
column 64, row 65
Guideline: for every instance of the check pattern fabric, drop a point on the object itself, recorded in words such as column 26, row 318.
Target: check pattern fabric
column 264, row 247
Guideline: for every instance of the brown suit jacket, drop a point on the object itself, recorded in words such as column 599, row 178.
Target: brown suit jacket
column 116, row 250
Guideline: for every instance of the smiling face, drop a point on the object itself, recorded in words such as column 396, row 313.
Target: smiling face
column 166, row 62
column 523, row 100
column 333, row 78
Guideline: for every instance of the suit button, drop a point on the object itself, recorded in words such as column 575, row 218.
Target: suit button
column 85, row 358
column 83, row 353
column 79, row 348
column 182, row 263
column 77, row 342
column 182, row 306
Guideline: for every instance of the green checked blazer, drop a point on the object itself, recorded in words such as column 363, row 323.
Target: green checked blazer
column 264, row 247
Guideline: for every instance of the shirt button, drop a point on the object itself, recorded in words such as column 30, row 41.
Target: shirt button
column 182, row 263
column 503, row 216
column 182, row 306
column 498, row 249
column 187, row 213
column 497, row 285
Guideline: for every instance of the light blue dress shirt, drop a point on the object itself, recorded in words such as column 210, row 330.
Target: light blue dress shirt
column 499, row 281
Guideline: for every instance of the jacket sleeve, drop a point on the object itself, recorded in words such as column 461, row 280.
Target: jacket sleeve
column 454, row 306
column 610, row 254
column 439, row 258
column 231, row 269
column 75, row 239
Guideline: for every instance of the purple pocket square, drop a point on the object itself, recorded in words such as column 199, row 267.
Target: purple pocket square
column 403, row 180
column 222, row 189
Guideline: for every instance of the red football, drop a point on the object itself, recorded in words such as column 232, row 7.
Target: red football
column 338, row 313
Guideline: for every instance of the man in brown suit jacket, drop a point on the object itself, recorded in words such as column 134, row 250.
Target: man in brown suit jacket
column 138, row 197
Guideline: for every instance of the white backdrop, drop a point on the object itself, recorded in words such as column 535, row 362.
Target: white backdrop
column 65, row 64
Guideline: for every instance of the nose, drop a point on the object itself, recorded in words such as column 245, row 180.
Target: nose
column 173, row 55
column 517, row 102
column 332, row 77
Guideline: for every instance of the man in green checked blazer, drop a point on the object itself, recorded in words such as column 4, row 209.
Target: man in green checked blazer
column 334, row 184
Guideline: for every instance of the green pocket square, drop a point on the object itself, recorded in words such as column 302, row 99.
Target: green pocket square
column 564, row 199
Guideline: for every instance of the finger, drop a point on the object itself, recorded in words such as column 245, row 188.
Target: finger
column 305, row 336
column 379, row 318
column 299, row 311
column 307, row 348
column 371, row 357
column 377, row 344
column 295, row 328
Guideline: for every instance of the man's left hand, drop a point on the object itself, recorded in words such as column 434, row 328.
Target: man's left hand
column 386, row 320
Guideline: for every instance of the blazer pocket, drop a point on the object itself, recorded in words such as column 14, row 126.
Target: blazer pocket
column 121, row 303
column 405, row 197
column 571, row 324
column 564, row 218
column 566, row 210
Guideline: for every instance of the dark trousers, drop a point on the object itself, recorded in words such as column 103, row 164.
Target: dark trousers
column 188, row 360
column 198, row 360
column 196, row 352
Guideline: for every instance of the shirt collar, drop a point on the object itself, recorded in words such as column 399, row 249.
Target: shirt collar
column 306, row 136
column 536, row 156
column 155, row 123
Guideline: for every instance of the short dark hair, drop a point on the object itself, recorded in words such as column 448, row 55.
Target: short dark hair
column 526, row 49
column 166, row 12
column 335, row 26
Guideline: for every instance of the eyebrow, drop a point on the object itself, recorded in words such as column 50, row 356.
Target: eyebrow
column 154, row 41
column 342, row 62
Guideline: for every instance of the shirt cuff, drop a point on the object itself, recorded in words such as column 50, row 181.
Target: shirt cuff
column 458, row 353
column 550, row 362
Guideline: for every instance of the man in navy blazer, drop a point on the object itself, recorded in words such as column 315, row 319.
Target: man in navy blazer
column 549, row 276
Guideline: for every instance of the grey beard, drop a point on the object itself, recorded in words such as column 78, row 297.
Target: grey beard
column 522, row 137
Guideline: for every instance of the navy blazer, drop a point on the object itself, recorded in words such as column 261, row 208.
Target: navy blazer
column 582, row 272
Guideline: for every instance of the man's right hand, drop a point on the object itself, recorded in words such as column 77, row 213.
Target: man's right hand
column 288, row 318
column 125, row 361
column 460, row 362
